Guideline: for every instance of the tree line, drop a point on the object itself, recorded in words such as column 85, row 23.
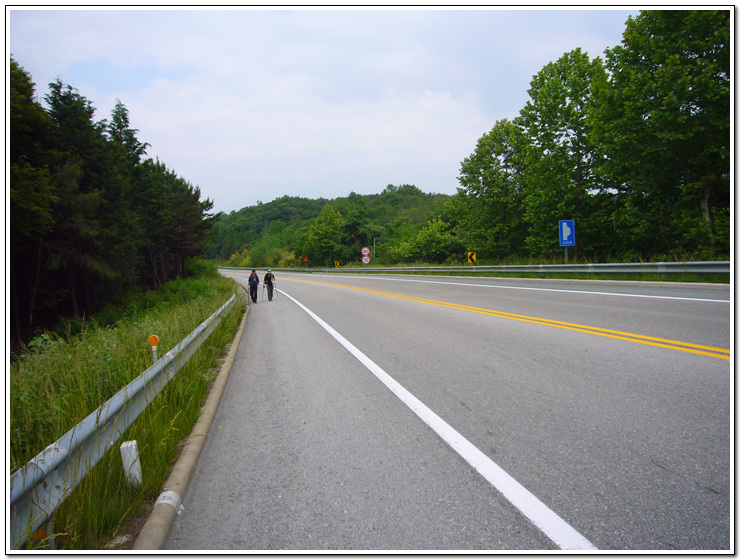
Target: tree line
column 91, row 219
column 293, row 231
column 633, row 147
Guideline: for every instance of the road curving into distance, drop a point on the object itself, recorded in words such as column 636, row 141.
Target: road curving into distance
column 420, row 413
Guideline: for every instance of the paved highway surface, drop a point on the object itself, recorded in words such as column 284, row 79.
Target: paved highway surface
column 421, row 413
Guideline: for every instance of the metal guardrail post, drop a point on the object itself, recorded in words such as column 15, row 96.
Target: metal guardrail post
column 43, row 483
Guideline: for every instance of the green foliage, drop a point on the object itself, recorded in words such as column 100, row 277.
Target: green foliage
column 87, row 367
column 635, row 149
column 282, row 232
column 323, row 236
column 90, row 221
column 561, row 182
column 639, row 158
column 201, row 268
column 434, row 243
column 490, row 205
column 64, row 378
column 664, row 121
column 241, row 259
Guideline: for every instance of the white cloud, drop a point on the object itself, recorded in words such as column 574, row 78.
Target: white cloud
column 254, row 104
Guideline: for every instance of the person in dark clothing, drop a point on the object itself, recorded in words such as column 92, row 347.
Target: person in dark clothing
column 254, row 281
column 270, row 283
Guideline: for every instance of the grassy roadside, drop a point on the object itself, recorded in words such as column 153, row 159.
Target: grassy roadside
column 64, row 378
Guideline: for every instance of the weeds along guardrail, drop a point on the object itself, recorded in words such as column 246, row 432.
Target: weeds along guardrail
column 700, row 267
column 42, row 484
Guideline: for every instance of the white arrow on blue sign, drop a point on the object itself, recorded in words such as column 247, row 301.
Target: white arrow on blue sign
column 567, row 233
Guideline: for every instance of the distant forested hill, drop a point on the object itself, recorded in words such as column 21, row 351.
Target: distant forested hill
column 288, row 229
column 633, row 147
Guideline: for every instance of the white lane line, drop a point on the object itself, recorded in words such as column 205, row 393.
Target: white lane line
column 550, row 523
column 617, row 294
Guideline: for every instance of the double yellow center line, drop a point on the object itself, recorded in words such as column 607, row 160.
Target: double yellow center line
column 722, row 353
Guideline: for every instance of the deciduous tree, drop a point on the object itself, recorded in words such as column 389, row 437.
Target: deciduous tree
column 490, row 203
column 323, row 235
column 561, row 180
column 664, row 121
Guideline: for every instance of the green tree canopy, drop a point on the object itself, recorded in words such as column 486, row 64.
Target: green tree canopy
column 90, row 221
column 323, row 235
column 434, row 243
column 664, row 121
column 635, row 150
column 490, row 203
column 561, row 181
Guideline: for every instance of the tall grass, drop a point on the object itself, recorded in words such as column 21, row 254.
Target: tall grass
column 64, row 378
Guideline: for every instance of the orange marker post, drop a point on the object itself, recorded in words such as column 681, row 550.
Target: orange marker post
column 153, row 341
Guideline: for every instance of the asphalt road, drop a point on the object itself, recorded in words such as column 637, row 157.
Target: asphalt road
column 468, row 414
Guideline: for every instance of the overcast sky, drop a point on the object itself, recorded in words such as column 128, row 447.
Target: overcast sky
column 255, row 104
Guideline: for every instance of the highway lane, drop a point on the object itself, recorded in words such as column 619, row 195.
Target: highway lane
column 612, row 408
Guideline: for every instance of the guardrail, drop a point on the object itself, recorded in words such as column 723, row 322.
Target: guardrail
column 702, row 267
column 43, row 483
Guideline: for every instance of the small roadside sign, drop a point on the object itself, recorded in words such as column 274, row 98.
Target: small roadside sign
column 366, row 251
column 365, row 260
column 472, row 257
column 567, row 233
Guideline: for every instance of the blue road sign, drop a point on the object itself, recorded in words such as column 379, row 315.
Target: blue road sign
column 567, row 233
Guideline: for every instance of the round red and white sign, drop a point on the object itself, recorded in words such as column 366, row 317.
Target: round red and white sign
column 365, row 260
column 365, row 250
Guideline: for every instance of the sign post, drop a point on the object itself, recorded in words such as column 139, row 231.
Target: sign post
column 567, row 235
column 153, row 342
column 366, row 255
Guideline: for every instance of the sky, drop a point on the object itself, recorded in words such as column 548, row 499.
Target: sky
column 254, row 104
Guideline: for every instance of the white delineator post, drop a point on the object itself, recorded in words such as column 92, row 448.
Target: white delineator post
column 131, row 463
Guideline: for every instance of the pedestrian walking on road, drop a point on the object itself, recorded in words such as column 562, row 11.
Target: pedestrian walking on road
column 254, row 281
column 270, row 283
